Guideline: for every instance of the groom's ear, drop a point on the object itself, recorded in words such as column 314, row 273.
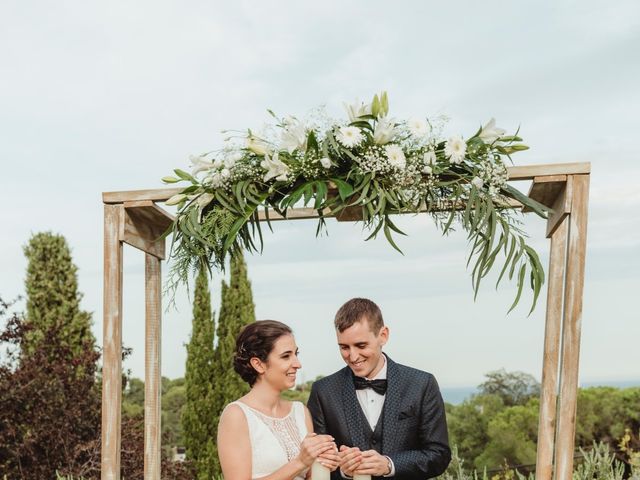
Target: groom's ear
column 383, row 335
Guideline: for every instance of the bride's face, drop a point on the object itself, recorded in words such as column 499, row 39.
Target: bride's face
column 282, row 363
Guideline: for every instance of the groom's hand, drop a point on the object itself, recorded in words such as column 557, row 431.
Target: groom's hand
column 373, row 464
column 350, row 459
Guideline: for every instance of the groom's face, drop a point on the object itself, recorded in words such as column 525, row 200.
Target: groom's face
column 361, row 348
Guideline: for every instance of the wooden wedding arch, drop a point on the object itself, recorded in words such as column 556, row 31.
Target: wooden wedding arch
column 132, row 217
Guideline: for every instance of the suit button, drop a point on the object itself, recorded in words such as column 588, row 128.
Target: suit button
column 374, row 441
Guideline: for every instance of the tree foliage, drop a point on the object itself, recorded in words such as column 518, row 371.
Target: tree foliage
column 49, row 401
column 498, row 428
column 199, row 409
column 236, row 311
column 515, row 388
column 52, row 292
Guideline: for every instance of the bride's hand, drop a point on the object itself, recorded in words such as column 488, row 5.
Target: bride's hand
column 313, row 446
column 330, row 458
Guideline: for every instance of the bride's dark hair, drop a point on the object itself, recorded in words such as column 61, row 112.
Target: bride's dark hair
column 256, row 340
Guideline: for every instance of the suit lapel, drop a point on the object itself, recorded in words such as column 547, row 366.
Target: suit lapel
column 391, row 408
column 352, row 411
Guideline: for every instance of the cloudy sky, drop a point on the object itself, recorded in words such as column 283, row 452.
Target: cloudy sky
column 105, row 96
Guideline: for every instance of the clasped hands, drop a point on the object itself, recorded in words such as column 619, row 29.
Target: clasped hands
column 351, row 460
column 355, row 461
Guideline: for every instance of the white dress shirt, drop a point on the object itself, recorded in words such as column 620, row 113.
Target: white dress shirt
column 371, row 403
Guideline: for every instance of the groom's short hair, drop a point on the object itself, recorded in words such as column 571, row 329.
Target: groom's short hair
column 356, row 310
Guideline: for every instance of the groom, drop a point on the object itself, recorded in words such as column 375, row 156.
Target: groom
column 388, row 419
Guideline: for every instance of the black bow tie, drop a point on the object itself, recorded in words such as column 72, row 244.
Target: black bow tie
column 378, row 386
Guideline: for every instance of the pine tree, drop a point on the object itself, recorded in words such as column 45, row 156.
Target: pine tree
column 236, row 311
column 199, row 410
column 52, row 294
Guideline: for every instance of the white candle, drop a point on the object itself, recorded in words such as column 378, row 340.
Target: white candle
column 320, row 472
column 361, row 477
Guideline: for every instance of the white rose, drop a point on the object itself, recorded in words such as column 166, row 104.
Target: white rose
column 427, row 169
column 325, row 162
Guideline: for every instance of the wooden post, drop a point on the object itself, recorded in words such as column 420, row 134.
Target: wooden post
column 112, row 343
column 574, row 287
column 152, row 382
column 548, row 391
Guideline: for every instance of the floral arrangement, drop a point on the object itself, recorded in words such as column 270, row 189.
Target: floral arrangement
column 372, row 162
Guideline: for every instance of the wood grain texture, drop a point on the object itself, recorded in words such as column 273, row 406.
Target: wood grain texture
column 144, row 224
column 152, row 363
column 553, row 324
column 546, row 189
column 571, row 329
column 561, row 206
column 112, row 343
column 529, row 172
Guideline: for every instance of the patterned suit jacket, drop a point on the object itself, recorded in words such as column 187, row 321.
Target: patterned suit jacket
column 414, row 428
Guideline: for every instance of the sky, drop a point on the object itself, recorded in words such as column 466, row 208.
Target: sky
column 110, row 96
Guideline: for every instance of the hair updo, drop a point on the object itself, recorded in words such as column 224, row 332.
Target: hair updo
column 256, row 340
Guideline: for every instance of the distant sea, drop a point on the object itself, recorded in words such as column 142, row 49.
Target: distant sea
column 457, row 395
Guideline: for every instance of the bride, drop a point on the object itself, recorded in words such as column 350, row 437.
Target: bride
column 261, row 435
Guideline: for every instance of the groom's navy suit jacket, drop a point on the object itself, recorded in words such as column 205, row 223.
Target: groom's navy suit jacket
column 412, row 429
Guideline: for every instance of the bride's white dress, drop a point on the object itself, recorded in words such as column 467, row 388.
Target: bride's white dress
column 274, row 441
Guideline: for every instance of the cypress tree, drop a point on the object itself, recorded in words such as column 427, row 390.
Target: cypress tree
column 236, row 311
column 53, row 299
column 198, row 428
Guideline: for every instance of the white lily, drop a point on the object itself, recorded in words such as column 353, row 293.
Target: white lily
column 294, row 135
column 176, row 199
column 257, row 145
column 357, row 109
column 275, row 167
column 490, row 133
column 204, row 199
column 199, row 164
column 384, row 132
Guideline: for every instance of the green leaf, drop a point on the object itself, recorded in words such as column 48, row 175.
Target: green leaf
column 312, row 141
column 523, row 270
column 540, row 209
column 185, row 176
column 344, row 189
column 170, row 179
column 387, row 233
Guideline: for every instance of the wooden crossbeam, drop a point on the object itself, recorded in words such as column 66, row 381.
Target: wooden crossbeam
column 525, row 172
column 143, row 226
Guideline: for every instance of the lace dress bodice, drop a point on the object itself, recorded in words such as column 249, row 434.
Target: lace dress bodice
column 274, row 441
